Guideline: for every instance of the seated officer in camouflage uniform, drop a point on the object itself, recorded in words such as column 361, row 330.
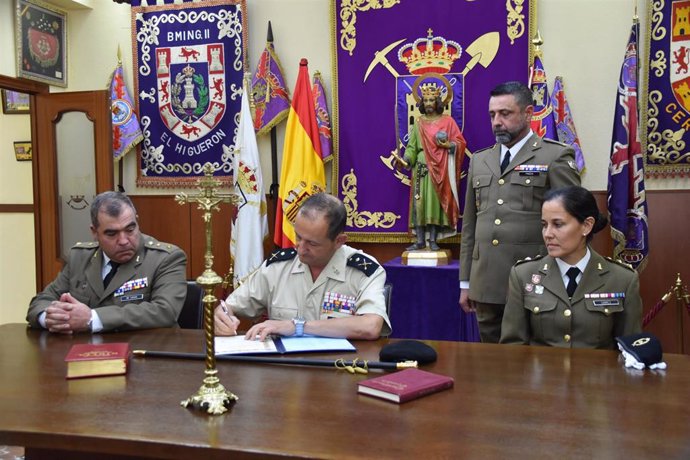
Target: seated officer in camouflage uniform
column 322, row 287
column 124, row 280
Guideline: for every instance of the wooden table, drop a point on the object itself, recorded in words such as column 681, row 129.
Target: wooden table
column 508, row 402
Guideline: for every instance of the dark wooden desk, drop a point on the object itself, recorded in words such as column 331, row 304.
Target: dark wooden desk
column 508, row 402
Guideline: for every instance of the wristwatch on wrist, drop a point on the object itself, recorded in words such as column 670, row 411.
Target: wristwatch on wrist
column 299, row 326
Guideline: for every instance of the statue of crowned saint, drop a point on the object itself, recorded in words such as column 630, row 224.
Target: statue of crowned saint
column 434, row 154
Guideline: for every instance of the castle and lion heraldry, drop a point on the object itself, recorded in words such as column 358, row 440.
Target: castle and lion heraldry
column 386, row 52
column 665, row 108
column 189, row 62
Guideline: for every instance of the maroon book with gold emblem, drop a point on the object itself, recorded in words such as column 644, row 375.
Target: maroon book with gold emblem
column 405, row 385
column 94, row 360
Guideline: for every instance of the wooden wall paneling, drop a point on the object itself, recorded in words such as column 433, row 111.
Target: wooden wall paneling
column 161, row 217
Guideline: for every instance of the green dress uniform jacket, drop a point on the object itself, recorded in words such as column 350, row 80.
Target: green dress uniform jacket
column 146, row 292
column 282, row 288
column 502, row 218
column 606, row 304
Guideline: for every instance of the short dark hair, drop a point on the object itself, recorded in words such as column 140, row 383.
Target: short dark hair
column 110, row 203
column 579, row 203
column 521, row 92
column 331, row 207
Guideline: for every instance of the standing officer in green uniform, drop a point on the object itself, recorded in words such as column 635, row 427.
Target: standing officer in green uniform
column 573, row 297
column 124, row 280
column 322, row 287
column 505, row 189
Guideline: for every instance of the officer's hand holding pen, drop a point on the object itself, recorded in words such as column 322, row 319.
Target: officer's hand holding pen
column 226, row 323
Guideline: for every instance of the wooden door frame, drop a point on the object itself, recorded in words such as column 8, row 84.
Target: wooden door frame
column 32, row 88
column 96, row 106
column 49, row 109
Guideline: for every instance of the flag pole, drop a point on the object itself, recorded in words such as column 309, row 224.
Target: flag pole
column 120, row 166
column 273, row 190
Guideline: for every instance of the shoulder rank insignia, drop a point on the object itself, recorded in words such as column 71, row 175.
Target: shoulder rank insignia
column 153, row 244
column 553, row 141
column 86, row 245
column 281, row 255
column 528, row 259
column 621, row 263
column 362, row 263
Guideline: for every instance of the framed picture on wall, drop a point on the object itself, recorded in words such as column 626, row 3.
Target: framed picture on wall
column 22, row 150
column 41, row 40
column 14, row 102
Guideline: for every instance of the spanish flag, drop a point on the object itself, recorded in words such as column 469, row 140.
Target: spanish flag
column 302, row 173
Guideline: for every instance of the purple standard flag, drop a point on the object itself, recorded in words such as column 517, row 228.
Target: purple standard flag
column 565, row 125
column 126, row 130
column 323, row 119
column 543, row 123
column 271, row 97
column 627, row 202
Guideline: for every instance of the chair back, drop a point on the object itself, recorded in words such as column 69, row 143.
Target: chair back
column 387, row 293
column 192, row 314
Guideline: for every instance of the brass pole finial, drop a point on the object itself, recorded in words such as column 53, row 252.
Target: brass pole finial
column 537, row 41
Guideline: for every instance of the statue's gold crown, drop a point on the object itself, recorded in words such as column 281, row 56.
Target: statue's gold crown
column 430, row 54
column 430, row 89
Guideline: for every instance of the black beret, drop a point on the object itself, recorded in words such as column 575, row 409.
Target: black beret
column 408, row 350
column 644, row 347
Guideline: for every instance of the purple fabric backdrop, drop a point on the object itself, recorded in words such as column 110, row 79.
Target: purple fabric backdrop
column 365, row 110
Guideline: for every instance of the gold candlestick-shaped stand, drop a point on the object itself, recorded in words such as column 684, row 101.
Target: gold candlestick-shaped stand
column 211, row 396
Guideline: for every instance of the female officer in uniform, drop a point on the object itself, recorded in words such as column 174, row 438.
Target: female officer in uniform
column 573, row 297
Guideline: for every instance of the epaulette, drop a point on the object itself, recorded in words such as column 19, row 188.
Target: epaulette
column 86, row 245
column 281, row 255
column 529, row 259
column 621, row 263
column 551, row 141
column 484, row 150
column 153, row 244
column 362, row 263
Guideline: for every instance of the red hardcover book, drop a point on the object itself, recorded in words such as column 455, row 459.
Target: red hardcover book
column 405, row 385
column 93, row 360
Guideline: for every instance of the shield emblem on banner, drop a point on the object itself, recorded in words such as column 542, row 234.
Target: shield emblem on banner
column 680, row 53
column 191, row 84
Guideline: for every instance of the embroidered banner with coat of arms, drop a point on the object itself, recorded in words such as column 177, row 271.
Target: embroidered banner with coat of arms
column 383, row 48
column 189, row 60
column 666, row 98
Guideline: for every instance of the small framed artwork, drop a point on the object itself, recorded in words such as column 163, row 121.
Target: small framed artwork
column 22, row 151
column 41, row 41
column 14, row 102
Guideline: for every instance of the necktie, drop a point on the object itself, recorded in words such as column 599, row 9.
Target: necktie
column 572, row 284
column 111, row 273
column 506, row 160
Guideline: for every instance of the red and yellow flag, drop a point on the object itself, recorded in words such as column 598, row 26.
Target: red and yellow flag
column 302, row 173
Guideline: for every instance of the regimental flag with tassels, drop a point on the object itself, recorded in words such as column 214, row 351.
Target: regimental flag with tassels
column 322, row 117
column 565, row 125
column 271, row 97
column 302, row 173
column 126, row 130
column 250, row 226
column 627, row 202
column 543, row 122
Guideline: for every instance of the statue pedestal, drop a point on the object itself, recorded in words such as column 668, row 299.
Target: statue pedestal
column 426, row 258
